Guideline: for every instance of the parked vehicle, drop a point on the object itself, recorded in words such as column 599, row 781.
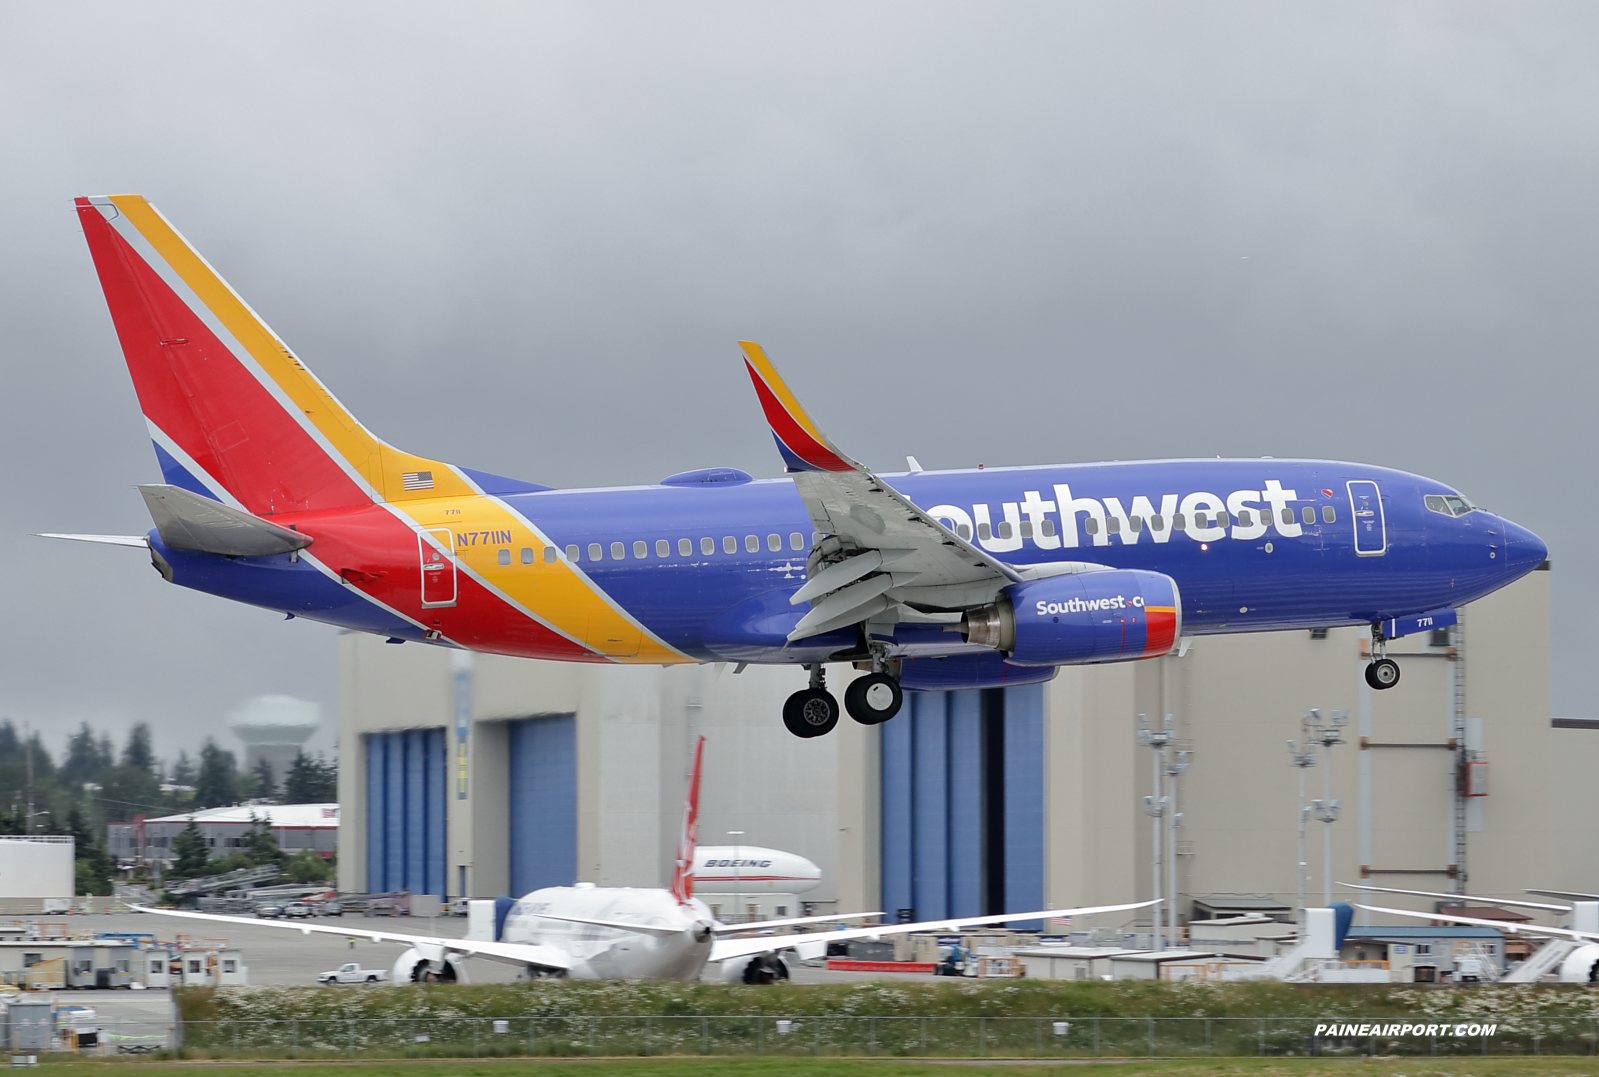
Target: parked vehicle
column 352, row 973
column 268, row 911
column 331, row 908
column 298, row 909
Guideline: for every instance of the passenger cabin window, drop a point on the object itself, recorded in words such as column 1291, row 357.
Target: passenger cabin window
column 752, row 544
column 1113, row 525
column 550, row 555
column 571, row 553
column 1179, row 522
column 1201, row 520
column 729, row 544
column 1157, row 522
column 596, row 552
column 1048, row 528
column 1245, row 519
column 1306, row 514
column 707, row 545
column 774, row 542
column 1091, row 525
column 640, row 549
column 796, row 541
column 964, row 532
column 1329, row 515
column 1135, row 524
column 1223, row 520
column 1004, row 529
column 984, row 531
column 1027, row 528
column 662, row 548
column 505, row 557
column 618, row 551
column 685, row 547
column 527, row 555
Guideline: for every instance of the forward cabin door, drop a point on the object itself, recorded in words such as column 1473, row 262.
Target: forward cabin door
column 1371, row 530
column 437, row 548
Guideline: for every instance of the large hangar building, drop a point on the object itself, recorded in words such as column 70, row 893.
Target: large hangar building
column 472, row 775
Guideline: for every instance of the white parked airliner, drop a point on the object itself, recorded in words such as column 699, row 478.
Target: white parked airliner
column 589, row 932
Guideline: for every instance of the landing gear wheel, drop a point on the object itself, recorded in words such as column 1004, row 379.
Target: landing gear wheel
column 873, row 698
column 810, row 712
column 1382, row 674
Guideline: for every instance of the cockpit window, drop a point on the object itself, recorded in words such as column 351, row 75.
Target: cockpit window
column 1449, row 504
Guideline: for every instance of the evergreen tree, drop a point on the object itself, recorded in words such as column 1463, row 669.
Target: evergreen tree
column 260, row 844
column 93, row 864
column 265, row 787
column 311, row 781
column 183, row 772
column 307, row 867
column 83, row 756
column 139, row 752
column 215, row 786
column 192, row 852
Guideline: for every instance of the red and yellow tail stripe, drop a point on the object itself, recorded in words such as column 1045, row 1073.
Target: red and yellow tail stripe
column 226, row 397
column 804, row 446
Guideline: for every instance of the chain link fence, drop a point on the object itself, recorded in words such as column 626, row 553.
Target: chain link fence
column 896, row 1037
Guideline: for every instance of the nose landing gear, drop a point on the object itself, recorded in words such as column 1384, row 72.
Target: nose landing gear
column 1383, row 672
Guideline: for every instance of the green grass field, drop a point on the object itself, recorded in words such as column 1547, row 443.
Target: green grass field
column 729, row 1067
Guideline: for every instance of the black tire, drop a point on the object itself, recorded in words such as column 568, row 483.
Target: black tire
column 1383, row 674
column 873, row 699
column 810, row 712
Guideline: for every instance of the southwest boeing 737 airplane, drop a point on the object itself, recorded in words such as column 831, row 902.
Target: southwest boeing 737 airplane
column 275, row 495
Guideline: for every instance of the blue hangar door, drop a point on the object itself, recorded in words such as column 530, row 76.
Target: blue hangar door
column 543, row 831
column 963, row 804
column 405, row 821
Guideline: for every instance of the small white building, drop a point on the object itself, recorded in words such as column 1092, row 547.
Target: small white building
column 34, row 869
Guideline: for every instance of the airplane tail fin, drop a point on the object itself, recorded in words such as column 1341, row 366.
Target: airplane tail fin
column 233, row 412
column 683, row 871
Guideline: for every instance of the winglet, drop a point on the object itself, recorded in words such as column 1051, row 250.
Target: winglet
column 802, row 443
column 683, row 869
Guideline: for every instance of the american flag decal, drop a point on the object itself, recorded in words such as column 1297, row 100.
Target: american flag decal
column 417, row 480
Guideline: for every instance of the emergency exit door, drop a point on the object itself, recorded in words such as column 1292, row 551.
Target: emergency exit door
column 437, row 548
column 1371, row 530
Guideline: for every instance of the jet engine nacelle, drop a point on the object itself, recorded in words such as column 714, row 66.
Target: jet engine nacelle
column 418, row 967
column 1581, row 966
column 1113, row 615
column 760, row 969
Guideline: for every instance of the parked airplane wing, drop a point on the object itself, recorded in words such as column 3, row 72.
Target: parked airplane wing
column 1524, row 929
column 725, row 949
column 514, row 953
column 1460, row 897
column 762, row 925
column 925, row 561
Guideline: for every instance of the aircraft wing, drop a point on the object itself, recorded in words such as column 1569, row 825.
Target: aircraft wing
column 884, row 549
column 1460, row 897
column 1523, row 929
column 762, row 925
column 109, row 540
column 726, row 949
column 514, row 953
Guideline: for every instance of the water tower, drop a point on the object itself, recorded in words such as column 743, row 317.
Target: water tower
column 274, row 728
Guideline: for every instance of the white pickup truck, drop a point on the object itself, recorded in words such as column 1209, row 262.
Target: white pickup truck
column 352, row 973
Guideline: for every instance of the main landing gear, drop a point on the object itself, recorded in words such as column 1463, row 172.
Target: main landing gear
column 1383, row 672
column 870, row 700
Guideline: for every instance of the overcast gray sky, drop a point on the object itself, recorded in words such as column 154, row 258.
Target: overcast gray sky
column 524, row 237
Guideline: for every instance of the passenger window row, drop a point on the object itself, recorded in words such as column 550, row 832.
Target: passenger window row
column 663, row 548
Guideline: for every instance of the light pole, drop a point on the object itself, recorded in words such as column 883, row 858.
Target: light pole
column 739, row 901
column 1174, row 770
column 1155, row 808
column 1326, row 733
column 1300, row 759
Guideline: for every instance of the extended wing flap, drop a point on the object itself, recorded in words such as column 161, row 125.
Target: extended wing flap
column 188, row 521
column 1501, row 925
column 932, row 565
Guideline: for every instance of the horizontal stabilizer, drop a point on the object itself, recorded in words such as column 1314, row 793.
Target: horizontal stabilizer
column 108, row 540
column 189, row 521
